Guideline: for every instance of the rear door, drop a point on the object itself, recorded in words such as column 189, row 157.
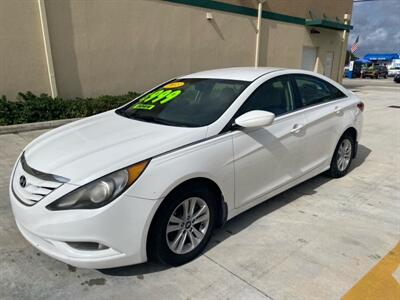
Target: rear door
column 323, row 105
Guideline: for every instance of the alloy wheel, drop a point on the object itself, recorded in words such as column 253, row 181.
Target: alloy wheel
column 344, row 155
column 187, row 225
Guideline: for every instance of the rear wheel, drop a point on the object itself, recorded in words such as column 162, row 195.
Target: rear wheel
column 183, row 225
column 342, row 156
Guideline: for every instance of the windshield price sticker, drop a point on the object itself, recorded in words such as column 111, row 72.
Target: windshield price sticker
column 159, row 97
column 143, row 106
column 162, row 96
column 174, row 85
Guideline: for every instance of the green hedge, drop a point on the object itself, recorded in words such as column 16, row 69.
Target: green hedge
column 32, row 108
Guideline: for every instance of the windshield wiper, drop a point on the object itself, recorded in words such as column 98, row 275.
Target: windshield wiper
column 154, row 120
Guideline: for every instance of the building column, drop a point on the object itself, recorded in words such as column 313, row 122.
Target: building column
column 343, row 50
column 47, row 48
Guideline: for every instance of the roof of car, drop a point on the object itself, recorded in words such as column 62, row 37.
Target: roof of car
column 244, row 73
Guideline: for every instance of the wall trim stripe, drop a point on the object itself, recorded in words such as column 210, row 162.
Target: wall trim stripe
column 247, row 11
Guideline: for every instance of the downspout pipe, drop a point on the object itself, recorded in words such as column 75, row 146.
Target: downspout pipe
column 47, row 48
column 258, row 36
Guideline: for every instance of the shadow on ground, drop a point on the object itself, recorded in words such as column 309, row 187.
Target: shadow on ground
column 245, row 219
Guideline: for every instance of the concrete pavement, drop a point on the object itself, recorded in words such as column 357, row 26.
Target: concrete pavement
column 314, row 241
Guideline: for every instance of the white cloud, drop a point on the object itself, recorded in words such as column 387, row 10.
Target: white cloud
column 397, row 38
column 377, row 23
column 377, row 36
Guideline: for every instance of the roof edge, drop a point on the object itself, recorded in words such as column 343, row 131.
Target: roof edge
column 247, row 11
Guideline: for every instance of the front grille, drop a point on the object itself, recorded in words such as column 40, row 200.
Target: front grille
column 30, row 186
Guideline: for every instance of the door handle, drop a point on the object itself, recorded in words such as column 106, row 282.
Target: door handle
column 337, row 110
column 297, row 128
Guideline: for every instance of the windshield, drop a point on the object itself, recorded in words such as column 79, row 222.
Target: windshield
column 185, row 102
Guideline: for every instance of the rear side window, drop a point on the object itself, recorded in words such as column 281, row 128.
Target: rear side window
column 275, row 96
column 313, row 90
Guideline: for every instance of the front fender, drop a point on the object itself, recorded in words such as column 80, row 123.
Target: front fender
column 211, row 159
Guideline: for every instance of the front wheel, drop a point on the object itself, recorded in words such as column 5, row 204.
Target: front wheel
column 183, row 225
column 342, row 157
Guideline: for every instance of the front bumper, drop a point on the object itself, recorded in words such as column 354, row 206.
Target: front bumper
column 121, row 226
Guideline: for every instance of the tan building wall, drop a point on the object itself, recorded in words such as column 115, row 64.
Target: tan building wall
column 111, row 47
column 284, row 46
column 22, row 57
column 100, row 47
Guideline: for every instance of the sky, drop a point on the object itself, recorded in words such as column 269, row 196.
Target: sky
column 378, row 24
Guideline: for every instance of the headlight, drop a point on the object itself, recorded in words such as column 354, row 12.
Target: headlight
column 101, row 191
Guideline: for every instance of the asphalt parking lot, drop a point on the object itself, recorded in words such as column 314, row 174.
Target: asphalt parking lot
column 315, row 241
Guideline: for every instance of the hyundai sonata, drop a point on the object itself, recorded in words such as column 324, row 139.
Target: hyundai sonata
column 154, row 178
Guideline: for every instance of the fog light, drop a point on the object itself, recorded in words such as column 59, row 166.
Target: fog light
column 87, row 246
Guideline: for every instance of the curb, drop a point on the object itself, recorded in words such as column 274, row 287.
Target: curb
column 9, row 129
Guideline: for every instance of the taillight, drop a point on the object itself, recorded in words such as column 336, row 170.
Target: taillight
column 361, row 106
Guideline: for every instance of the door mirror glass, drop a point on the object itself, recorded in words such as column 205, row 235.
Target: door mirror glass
column 255, row 118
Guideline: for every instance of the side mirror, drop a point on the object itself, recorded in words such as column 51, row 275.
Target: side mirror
column 255, row 118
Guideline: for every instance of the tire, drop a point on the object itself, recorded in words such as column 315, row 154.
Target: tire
column 161, row 246
column 341, row 161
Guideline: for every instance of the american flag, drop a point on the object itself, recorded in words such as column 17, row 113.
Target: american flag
column 354, row 47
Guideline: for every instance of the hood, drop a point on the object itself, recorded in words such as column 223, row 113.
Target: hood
column 93, row 147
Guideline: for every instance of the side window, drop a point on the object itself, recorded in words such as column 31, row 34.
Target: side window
column 275, row 96
column 336, row 93
column 313, row 90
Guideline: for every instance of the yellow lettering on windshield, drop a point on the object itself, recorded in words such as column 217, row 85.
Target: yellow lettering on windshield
column 143, row 106
column 174, row 85
column 157, row 97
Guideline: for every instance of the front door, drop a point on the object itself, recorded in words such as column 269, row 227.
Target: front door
column 266, row 158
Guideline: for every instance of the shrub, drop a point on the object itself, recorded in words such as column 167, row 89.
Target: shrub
column 32, row 108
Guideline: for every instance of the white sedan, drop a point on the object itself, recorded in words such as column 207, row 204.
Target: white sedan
column 152, row 179
column 393, row 71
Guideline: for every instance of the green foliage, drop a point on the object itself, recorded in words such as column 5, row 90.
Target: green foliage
column 32, row 108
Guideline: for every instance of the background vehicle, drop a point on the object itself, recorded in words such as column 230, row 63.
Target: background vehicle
column 374, row 72
column 346, row 72
column 392, row 71
column 397, row 78
column 357, row 66
column 153, row 178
